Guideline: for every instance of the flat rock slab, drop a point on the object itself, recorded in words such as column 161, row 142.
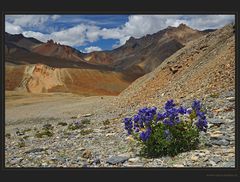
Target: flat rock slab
column 87, row 115
column 35, row 150
column 221, row 142
column 117, row 159
column 217, row 122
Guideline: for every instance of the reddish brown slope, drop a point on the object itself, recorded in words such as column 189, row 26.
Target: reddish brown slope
column 57, row 50
column 205, row 66
column 39, row 78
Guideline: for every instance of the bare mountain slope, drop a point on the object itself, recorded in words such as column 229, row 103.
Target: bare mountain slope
column 39, row 78
column 147, row 52
column 20, row 41
column 57, row 50
column 204, row 66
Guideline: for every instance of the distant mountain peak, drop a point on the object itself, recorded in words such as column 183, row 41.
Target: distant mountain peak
column 131, row 39
column 183, row 25
column 50, row 41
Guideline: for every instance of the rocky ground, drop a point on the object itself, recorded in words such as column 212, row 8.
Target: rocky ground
column 93, row 136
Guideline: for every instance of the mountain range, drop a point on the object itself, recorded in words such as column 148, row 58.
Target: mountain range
column 37, row 67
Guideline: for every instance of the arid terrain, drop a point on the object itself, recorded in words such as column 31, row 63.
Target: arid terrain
column 70, row 116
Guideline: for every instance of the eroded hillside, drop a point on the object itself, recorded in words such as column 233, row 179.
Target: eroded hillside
column 203, row 67
column 39, row 78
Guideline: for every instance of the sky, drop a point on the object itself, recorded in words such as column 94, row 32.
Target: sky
column 89, row 33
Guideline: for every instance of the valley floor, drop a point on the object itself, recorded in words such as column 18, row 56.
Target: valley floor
column 99, row 139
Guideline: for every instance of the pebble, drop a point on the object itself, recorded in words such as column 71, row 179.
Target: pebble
column 194, row 158
column 216, row 159
column 110, row 134
column 215, row 135
column 178, row 165
column 87, row 115
column 87, row 154
column 117, row 159
column 231, row 99
column 134, row 160
column 16, row 160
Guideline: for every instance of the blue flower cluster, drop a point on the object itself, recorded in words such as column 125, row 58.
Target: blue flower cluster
column 147, row 118
column 128, row 125
column 202, row 121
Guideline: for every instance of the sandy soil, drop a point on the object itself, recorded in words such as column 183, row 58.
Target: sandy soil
column 23, row 108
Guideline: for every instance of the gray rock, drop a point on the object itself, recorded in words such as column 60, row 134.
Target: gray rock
column 97, row 161
column 221, row 142
column 117, row 159
column 16, row 160
column 216, row 122
column 229, row 164
column 35, row 150
column 19, row 133
column 210, row 115
column 216, row 159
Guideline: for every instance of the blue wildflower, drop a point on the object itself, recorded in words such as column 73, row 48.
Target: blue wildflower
column 160, row 116
column 168, row 122
column 202, row 124
column 128, row 125
column 182, row 110
column 189, row 111
column 169, row 104
column 196, row 105
column 144, row 136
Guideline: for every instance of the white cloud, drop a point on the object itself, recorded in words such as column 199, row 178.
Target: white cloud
column 27, row 20
column 202, row 22
column 74, row 36
column 91, row 49
column 30, row 20
column 55, row 17
column 38, row 35
column 12, row 29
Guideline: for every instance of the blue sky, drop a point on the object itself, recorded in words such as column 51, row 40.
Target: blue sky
column 103, row 32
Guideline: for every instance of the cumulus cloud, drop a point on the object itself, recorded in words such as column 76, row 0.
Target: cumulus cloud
column 30, row 20
column 38, row 35
column 91, row 49
column 12, row 29
column 74, row 36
